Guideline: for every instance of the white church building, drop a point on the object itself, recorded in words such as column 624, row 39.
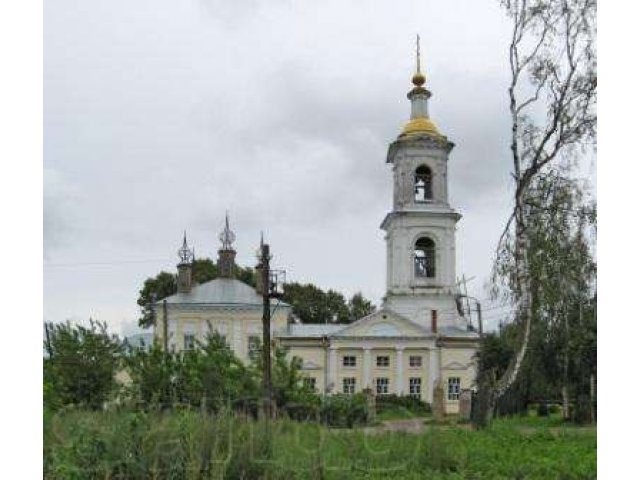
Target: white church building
column 417, row 339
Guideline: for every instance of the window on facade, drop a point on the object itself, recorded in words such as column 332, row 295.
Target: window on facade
column 453, row 390
column 349, row 385
column 415, row 361
column 349, row 361
column 253, row 346
column 382, row 386
column 310, row 383
column 415, row 387
column 382, row 361
column 189, row 341
column 423, row 185
column 425, row 258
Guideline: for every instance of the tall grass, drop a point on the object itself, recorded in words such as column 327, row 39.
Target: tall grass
column 188, row 445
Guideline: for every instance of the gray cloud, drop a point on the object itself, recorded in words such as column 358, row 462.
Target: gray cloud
column 159, row 116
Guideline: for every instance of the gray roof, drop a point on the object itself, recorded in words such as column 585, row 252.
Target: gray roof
column 457, row 332
column 140, row 339
column 220, row 291
column 312, row 329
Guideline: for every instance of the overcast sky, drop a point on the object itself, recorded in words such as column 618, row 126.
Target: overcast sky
column 160, row 115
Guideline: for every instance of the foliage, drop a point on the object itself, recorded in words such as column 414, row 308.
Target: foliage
column 188, row 445
column 345, row 410
column 562, row 274
column 161, row 286
column 208, row 377
column 408, row 403
column 552, row 102
column 313, row 305
column 80, row 364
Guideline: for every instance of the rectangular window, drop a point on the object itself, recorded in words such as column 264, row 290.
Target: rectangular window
column 382, row 361
column 349, row 385
column 253, row 346
column 453, row 390
column 310, row 383
column 382, row 386
column 415, row 361
column 415, row 387
column 189, row 341
column 349, row 361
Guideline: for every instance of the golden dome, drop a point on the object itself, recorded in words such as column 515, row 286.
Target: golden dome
column 421, row 125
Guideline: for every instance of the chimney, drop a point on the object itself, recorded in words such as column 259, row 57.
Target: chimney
column 185, row 267
column 226, row 263
column 227, row 255
column 434, row 321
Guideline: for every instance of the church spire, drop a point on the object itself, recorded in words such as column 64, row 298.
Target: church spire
column 419, row 123
column 418, row 78
column 185, row 254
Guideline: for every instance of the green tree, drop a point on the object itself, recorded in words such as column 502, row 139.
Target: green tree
column 80, row 364
column 161, row 286
column 286, row 378
column 313, row 305
column 208, row 377
column 552, row 103
column 562, row 277
column 359, row 307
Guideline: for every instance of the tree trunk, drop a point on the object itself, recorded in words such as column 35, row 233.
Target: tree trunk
column 565, row 402
column 490, row 392
column 565, row 369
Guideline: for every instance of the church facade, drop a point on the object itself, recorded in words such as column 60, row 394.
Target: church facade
column 415, row 341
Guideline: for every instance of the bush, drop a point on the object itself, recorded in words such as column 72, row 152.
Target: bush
column 554, row 409
column 408, row 402
column 345, row 410
column 543, row 410
column 80, row 365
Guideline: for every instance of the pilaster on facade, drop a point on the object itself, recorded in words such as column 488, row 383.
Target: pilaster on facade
column 366, row 367
column 333, row 369
column 434, row 372
column 399, row 370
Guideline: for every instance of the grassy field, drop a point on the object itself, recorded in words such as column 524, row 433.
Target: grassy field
column 186, row 445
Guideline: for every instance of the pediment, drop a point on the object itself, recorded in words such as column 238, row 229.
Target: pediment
column 383, row 323
column 309, row 365
column 455, row 366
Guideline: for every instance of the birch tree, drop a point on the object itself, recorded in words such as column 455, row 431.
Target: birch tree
column 552, row 103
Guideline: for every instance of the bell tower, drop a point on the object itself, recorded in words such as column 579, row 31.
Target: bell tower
column 420, row 228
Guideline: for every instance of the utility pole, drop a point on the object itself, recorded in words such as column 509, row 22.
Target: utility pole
column 479, row 309
column 266, row 331
column 165, row 327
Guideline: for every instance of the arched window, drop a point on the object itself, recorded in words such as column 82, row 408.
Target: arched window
column 424, row 258
column 423, row 185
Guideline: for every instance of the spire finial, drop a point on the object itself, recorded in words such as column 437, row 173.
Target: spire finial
column 418, row 78
column 186, row 256
column 227, row 237
column 418, row 53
